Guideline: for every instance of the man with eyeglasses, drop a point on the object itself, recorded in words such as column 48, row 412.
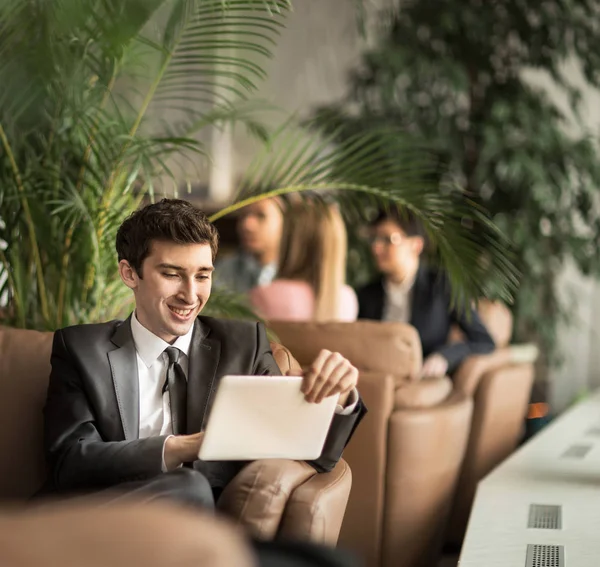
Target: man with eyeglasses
column 408, row 291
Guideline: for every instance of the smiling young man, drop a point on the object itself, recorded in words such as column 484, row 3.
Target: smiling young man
column 128, row 400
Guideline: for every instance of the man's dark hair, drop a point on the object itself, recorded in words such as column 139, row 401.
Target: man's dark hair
column 406, row 221
column 169, row 220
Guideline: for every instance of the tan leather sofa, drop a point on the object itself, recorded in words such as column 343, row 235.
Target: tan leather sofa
column 500, row 384
column 270, row 498
column 407, row 453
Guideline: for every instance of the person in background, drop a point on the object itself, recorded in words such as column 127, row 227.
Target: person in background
column 259, row 229
column 410, row 292
column 311, row 270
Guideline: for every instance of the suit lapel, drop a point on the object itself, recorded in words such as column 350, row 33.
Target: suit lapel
column 203, row 361
column 379, row 300
column 123, row 367
column 419, row 298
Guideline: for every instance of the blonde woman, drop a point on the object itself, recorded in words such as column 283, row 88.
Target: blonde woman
column 311, row 271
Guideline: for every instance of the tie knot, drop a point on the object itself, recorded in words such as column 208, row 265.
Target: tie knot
column 173, row 354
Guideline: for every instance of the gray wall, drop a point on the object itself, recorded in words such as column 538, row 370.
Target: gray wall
column 316, row 50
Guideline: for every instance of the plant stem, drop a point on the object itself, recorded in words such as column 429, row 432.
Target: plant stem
column 116, row 172
column 62, row 285
column 88, row 149
column 30, row 227
column 20, row 311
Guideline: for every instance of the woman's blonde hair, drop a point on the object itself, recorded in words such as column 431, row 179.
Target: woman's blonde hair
column 313, row 250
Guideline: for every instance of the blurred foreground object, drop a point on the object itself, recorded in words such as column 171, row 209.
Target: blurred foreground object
column 84, row 533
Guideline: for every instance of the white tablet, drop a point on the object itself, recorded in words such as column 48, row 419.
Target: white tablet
column 265, row 417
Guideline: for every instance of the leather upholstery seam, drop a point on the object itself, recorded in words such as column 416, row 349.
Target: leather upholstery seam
column 271, row 498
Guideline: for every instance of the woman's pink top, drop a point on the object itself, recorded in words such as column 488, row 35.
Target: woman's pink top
column 290, row 300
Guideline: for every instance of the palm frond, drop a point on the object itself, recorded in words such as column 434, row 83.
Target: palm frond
column 213, row 52
column 381, row 169
column 83, row 90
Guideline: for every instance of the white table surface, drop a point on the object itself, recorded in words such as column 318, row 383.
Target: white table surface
column 538, row 473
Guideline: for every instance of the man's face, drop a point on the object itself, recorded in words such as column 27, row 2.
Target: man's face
column 260, row 226
column 394, row 251
column 174, row 287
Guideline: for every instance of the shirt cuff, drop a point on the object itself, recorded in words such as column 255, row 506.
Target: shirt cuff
column 350, row 404
column 164, row 465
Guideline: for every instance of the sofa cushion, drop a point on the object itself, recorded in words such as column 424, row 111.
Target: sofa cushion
column 24, row 373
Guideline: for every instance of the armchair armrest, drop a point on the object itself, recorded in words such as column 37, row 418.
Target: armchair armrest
column 316, row 508
column 469, row 373
column 258, row 495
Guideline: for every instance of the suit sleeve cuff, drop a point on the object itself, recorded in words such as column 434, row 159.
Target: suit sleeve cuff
column 350, row 404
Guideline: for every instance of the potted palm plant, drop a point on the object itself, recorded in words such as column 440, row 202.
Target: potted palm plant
column 84, row 87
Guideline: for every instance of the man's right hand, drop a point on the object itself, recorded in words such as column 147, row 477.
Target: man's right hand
column 181, row 449
column 434, row 366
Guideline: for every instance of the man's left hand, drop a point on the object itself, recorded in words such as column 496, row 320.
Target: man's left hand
column 328, row 375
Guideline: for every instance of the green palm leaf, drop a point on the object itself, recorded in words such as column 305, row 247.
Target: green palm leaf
column 382, row 169
column 83, row 142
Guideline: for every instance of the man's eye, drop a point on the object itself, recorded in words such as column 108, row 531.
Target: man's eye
column 167, row 275
column 203, row 277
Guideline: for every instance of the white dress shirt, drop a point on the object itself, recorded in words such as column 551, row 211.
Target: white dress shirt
column 152, row 364
column 397, row 301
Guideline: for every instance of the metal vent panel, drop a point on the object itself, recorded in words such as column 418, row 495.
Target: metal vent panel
column 577, row 451
column 545, row 517
column 545, row 556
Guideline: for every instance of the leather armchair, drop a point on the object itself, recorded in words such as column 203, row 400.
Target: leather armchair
column 269, row 498
column 500, row 384
column 407, row 453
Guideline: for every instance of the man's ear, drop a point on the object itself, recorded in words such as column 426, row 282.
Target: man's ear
column 418, row 244
column 128, row 274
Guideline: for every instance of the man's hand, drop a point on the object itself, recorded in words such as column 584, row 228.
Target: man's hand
column 181, row 449
column 328, row 375
column 435, row 365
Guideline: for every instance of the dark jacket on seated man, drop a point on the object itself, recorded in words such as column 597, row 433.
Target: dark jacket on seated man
column 92, row 431
column 430, row 312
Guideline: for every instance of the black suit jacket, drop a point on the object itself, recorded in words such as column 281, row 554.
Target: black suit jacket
column 432, row 316
column 92, row 408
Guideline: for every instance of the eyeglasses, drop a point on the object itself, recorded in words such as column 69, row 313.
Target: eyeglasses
column 386, row 239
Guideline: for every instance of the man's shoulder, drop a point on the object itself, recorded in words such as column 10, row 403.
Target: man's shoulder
column 433, row 276
column 89, row 331
column 432, row 281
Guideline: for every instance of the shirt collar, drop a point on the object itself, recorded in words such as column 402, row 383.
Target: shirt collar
column 399, row 288
column 150, row 347
column 267, row 273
